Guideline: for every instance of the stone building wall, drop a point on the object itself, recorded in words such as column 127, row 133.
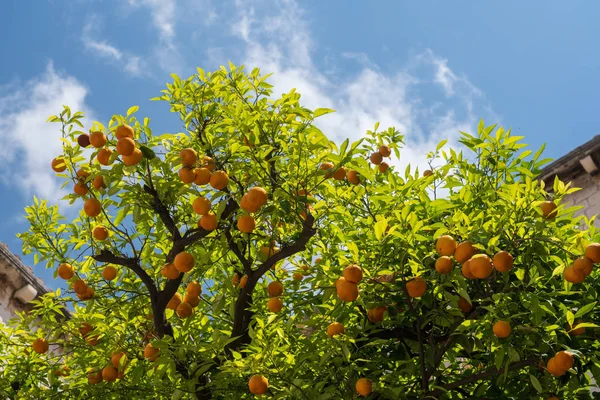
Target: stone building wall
column 588, row 196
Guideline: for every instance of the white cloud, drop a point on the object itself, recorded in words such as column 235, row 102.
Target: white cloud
column 29, row 143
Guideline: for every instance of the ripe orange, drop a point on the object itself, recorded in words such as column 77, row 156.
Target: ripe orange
column 83, row 140
column 174, row 301
column 202, row 176
column 416, row 287
column 97, row 139
column 584, row 265
column 246, row 223
column 94, row 377
column 502, row 329
column 298, row 276
column 353, row 177
column 275, row 304
column 109, row 373
column 193, row 289
column 243, row 281
column 340, row 174
column 109, row 273
column 219, row 180
column 79, row 286
column 208, row 222
column 548, row 210
column 466, row 270
column 125, row 146
column 82, row 174
column 573, row 275
column 564, row 360
column 184, row 309
column 65, row 271
column 364, row 387
column 187, row 174
column 103, row 156
column 385, row 151
column 40, row 345
column 184, row 262
column 335, row 329
column 80, row 189
column 427, row 173
column 328, row 168
column 98, row 182
column 134, row 158
column 444, row 265
column 258, row 384
column 208, row 163
column 275, row 289
column 92, row 207
column 235, row 280
column 188, row 157
column 592, row 251
column 268, row 251
column 116, row 359
column 376, row 314
column 464, row 305
column 383, row 167
column 553, row 369
column 59, row 164
column 464, row 251
column 257, row 195
column 169, row 271
column 201, row 205
column 577, row 331
column 445, row 245
column 100, row 233
column 503, row 261
column 124, row 131
column 353, row 273
column 85, row 328
column 376, row 158
column 192, row 300
column 346, row 291
column 480, row 266
column 89, row 293
column 151, row 352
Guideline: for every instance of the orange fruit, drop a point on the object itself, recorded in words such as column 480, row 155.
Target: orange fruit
column 243, row 281
column 480, row 266
column 553, row 369
column 383, row 167
column 82, row 174
column 79, row 286
column 268, row 251
column 573, row 275
column 100, row 233
column 584, row 265
column 187, row 174
column 184, row 309
column 576, row 331
column 548, row 209
column 502, row 329
column 169, row 271
column 184, row 262
column 444, row 265
column 353, row 273
column 427, row 173
column 192, row 300
column 298, row 276
column 376, row 314
column 340, row 174
column 335, row 329
column 174, row 302
column 258, row 384
column 257, row 195
column 445, row 245
column 94, row 377
column 219, row 180
column 134, row 158
column 80, row 189
column 208, row 163
column 275, row 289
column 125, row 146
column 59, row 164
column 466, row 270
column 201, row 205
column 235, row 280
column 89, row 293
column 346, row 291
column 188, row 157
column 564, row 360
column 364, row 387
column 85, row 328
column 92, row 207
column 98, row 182
column 464, row 251
column 246, row 223
column 202, row 176
column 208, row 222
column 115, row 360
column 275, row 304
column 193, row 289
column 40, row 345
column 65, row 271
column 503, row 261
column 151, row 352
column 385, row 151
column 109, row 373
column 353, row 177
column 376, row 158
column 464, row 305
column 416, row 287
column 592, row 251
column 328, row 168
column 123, row 131
column 109, row 273
column 97, row 139
column 103, row 156
column 83, row 140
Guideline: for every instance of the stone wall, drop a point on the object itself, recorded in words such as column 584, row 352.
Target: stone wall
column 588, row 196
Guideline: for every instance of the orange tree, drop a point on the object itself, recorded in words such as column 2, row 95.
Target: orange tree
column 250, row 255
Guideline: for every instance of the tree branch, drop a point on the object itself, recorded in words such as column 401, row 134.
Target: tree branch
column 238, row 253
column 133, row 264
column 163, row 213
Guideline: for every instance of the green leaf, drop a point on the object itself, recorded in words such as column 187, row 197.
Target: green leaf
column 570, row 318
column 147, row 152
column 322, row 111
column 585, row 309
column 536, row 384
column 132, row 110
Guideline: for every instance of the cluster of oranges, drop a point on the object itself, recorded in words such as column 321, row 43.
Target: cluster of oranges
column 347, row 285
column 582, row 266
column 560, row 363
column 110, row 373
column 377, row 158
column 251, row 202
column 184, row 306
column 340, row 173
column 275, row 289
column 201, row 173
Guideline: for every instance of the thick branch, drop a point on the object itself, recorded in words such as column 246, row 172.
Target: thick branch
column 163, row 213
column 238, row 253
column 133, row 264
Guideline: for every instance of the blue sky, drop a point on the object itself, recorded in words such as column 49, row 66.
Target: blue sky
column 428, row 68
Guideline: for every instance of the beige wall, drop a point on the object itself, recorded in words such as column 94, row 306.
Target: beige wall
column 588, row 196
